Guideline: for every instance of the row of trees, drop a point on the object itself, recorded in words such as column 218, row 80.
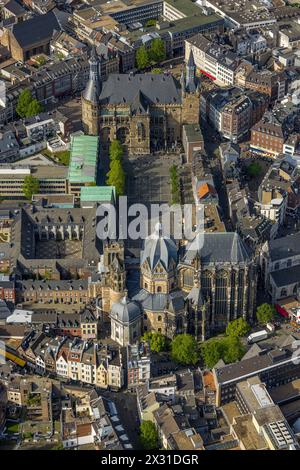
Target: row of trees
column 27, row 105
column 185, row 350
column 146, row 56
column 116, row 175
column 30, row 187
column 175, row 190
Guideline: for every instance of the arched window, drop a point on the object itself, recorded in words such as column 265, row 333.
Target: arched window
column 158, row 289
column 141, row 132
column 283, row 293
column 159, row 318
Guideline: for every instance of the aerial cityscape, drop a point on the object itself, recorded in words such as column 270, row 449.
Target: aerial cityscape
column 149, row 226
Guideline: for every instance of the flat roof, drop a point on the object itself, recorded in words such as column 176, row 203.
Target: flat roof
column 83, row 160
column 97, row 193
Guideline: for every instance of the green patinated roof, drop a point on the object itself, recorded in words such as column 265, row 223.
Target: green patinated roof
column 83, row 160
column 97, row 193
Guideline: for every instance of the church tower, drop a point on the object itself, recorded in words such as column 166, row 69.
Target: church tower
column 190, row 94
column 90, row 97
column 114, row 287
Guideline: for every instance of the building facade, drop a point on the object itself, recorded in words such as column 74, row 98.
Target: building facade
column 144, row 112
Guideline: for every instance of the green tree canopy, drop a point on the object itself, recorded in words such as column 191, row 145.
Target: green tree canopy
column 151, row 22
column 230, row 349
column 254, row 169
column 116, row 150
column 148, row 435
column 34, row 108
column 211, row 352
column 157, row 51
column 233, row 349
column 142, row 58
column 116, row 177
column 157, row 341
column 184, row 349
column 31, row 186
column 24, row 100
column 28, row 106
column 238, row 327
column 265, row 313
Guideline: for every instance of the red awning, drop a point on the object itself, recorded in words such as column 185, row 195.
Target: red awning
column 207, row 74
column 281, row 311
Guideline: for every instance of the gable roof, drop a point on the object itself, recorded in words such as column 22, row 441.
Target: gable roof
column 205, row 189
column 15, row 8
column 37, row 29
column 218, row 248
column 156, row 89
column 284, row 247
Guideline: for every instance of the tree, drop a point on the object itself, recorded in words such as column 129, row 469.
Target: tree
column 31, row 186
column 233, row 349
column 238, row 327
column 116, row 150
column 142, row 58
column 34, row 108
column 157, row 341
column 148, row 435
column 265, row 313
column 254, row 169
column 157, row 52
column 230, row 349
column 41, row 60
column 28, row 106
column 151, row 22
column 58, row 447
column 184, row 349
column 156, row 71
column 116, row 177
column 211, row 352
column 24, row 100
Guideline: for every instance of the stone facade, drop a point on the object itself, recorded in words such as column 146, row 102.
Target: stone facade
column 196, row 292
column 148, row 117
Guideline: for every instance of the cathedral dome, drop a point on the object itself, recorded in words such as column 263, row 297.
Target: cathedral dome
column 158, row 248
column 125, row 311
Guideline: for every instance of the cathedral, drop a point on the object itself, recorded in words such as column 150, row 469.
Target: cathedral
column 196, row 289
column 145, row 112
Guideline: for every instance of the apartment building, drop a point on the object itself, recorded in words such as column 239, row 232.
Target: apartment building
column 216, row 61
column 228, row 110
column 52, row 180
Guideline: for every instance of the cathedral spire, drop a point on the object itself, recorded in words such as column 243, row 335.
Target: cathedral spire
column 191, row 74
column 93, row 88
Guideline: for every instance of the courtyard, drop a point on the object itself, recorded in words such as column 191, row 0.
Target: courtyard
column 58, row 249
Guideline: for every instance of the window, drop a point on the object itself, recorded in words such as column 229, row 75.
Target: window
column 159, row 318
column 158, row 288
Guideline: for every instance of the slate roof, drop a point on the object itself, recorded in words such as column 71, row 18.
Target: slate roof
column 286, row 277
column 159, row 249
column 252, row 365
column 125, row 311
column 285, row 247
column 152, row 302
column 157, row 89
column 15, row 8
column 37, row 29
column 218, row 248
column 158, row 302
